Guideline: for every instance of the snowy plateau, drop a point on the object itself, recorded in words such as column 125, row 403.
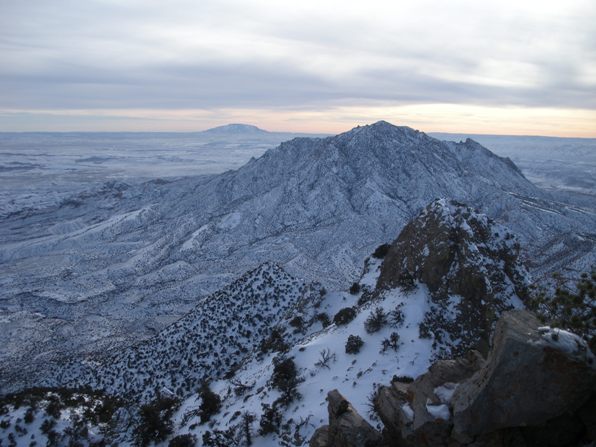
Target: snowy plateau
column 147, row 280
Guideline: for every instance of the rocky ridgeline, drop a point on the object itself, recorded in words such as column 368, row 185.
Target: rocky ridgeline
column 471, row 266
column 223, row 330
column 537, row 387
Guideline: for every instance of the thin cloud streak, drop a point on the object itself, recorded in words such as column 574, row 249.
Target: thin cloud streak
column 311, row 55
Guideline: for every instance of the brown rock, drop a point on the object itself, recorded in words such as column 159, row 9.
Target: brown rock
column 529, row 379
column 346, row 427
column 320, row 437
column 456, row 251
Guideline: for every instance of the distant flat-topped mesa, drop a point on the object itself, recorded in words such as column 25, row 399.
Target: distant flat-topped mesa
column 235, row 129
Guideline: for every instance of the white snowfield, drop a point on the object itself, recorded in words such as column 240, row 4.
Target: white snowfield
column 355, row 375
column 115, row 265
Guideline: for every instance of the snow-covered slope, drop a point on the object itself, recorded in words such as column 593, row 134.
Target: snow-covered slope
column 252, row 388
column 120, row 265
column 210, row 341
column 471, row 266
column 401, row 329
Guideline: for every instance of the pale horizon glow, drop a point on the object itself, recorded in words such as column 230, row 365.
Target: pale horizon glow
column 509, row 67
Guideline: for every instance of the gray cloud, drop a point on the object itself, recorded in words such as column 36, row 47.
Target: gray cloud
column 132, row 54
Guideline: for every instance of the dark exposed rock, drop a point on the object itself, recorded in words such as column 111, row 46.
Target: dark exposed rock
column 320, row 438
column 346, row 427
column 404, row 408
column 529, row 378
column 536, row 388
column 470, row 265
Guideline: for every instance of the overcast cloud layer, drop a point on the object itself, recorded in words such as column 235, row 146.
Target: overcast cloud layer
column 148, row 64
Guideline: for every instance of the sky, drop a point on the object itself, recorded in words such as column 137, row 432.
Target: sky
column 498, row 67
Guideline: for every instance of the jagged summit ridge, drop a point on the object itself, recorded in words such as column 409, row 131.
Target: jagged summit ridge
column 471, row 266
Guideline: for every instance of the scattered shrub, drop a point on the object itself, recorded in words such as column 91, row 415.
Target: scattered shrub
column 344, row 316
column 222, row 438
column 376, row 320
column 373, row 409
column 390, row 343
column 324, row 319
column 187, row 440
column 297, row 322
column 47, row 426
column 325, row 358
column 246, row 426
column 397, row 316
column 402, row 379
column 406, row 281
column 367, row 295
column 270, row 419
column 54, row 407
column 285, row 378
column 275, row 342
column 210, row 403
column 424, row 330
column 569, row 307
column 29, row 416
column 155, row 424
column 354, row 344
column 355, row 289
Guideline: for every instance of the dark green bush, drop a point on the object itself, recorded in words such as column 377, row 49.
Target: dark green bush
column 187, row 440
column 344, row 316
column 353, row 344
column 324, row 319
column 376, row 320
column 155, row 424
column 210, row 403
column 270, row 419
column 571, row 307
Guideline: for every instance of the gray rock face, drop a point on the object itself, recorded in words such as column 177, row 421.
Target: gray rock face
column 536, row 388
column 418, row 412
column 471, row 266
column 531, row 376
column 346, row 427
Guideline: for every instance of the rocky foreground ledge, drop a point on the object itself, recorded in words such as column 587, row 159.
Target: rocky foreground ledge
column 537, row 387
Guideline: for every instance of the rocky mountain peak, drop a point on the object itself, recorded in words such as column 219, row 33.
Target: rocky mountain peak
column 469, row 263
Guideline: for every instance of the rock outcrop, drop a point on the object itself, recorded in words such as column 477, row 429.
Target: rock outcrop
column 419, row 412
column 534, row 374
column 537, row 387
column 346, row 427
column 471, row 266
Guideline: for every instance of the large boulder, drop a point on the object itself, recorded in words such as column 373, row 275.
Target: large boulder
column 418, row 413
column 536, row 388
column 532, row 375
column 471, row 266
column 346, row 427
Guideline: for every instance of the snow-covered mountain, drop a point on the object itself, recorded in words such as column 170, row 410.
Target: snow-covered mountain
column 378, row 333
column 122, row 263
